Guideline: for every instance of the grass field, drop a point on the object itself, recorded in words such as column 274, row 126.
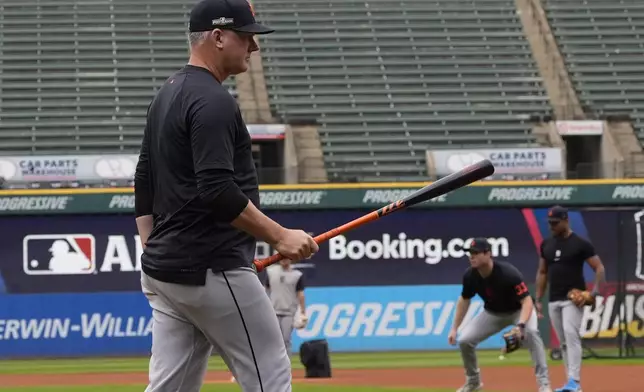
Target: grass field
column 370, row 361
column 338, row 361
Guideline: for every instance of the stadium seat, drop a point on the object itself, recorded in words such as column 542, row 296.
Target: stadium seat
column 389, row 79
column 602, row 43
column 78, row 76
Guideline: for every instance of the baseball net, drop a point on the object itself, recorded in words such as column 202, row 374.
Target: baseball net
column 614, row 326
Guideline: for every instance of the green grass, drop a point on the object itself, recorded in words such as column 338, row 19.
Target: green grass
column 338, row 361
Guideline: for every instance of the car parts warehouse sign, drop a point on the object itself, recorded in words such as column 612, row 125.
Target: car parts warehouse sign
column 491, row 194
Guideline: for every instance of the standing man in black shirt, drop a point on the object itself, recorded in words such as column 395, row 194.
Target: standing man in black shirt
column 561, row 262
column 507, row 301
column 196, row 202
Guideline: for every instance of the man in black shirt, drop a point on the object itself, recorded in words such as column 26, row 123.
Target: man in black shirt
column 196, row 202
column 507, row 301
column 561, row 262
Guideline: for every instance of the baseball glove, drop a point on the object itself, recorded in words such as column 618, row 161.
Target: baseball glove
column 300, row 321
column 581, row 298
column 513, row 340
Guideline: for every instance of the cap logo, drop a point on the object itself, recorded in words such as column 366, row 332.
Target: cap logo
column 222, row 21
column 252, row 9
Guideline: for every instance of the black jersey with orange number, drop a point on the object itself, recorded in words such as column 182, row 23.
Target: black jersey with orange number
column 502, row 291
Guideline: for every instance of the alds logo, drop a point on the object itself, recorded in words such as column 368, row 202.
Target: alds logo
column 250, row 5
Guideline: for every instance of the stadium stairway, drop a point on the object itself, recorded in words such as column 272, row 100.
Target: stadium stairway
column 549, row 60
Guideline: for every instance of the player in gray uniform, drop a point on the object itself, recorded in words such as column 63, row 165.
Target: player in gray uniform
column 197, row 212
column 507, row 301
column 285, row 286
column 562, row 263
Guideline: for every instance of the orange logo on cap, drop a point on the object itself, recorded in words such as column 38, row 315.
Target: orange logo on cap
column 250, row 5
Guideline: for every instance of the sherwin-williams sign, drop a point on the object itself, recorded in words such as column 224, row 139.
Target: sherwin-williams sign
column 351, row 318
column 486, row 194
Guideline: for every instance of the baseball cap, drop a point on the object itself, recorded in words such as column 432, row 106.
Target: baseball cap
column 237, row 15
column 479, row 245
column 557, row 213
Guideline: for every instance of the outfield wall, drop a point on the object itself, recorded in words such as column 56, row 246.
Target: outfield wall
column 391, row 285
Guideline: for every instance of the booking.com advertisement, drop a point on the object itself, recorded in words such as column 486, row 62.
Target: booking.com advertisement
column 350, row 318
column 420, row 247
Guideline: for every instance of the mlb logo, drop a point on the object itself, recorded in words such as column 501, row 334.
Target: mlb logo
column 59, row 254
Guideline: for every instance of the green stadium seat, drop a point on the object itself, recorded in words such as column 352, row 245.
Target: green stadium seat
column 602, row 44
column 79, row 76
column 387, row 79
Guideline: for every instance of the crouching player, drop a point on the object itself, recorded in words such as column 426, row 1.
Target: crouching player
column 507, row 301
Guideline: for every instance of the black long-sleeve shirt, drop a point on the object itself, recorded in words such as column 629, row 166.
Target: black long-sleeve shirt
column 194, row 176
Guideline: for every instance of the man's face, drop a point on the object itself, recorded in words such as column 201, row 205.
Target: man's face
column 235, row 49
column 557, row 226
column 478, row 258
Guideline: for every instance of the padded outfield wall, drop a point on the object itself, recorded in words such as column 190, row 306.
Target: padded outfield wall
column 391, row 285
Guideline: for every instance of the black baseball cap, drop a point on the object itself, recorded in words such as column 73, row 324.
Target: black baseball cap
column 478, row 245
column 557, row 213
column 237, row 15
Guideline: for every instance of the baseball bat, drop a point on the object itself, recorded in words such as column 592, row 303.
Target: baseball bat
column 447, row 184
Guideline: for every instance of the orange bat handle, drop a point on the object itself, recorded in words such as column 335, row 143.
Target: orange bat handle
column 260, row 265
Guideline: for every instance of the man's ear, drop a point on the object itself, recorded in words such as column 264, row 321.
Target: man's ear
column 218, row 37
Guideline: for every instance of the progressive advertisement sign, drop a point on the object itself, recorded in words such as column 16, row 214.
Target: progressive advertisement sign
column 420, row 247
column 350, row 318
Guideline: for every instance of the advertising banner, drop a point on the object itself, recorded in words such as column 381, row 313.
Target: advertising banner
column 351, row 318
column 580, row 128
column 486, row 194
column 102, row 253
column 67, row 167
column 507, row 161
column 96, row 253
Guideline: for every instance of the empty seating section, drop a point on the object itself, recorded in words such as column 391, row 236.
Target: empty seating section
column 388, row 79
column 79, row 75
column 603, row 46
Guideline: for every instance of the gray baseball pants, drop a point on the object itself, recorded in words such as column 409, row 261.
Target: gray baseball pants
column 566, row 321
column 231, row 315
column 286, row 325
column 486, row 324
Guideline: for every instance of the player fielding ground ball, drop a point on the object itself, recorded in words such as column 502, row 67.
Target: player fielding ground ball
column 507, row 302
column 562, row 263
column 196, row 203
